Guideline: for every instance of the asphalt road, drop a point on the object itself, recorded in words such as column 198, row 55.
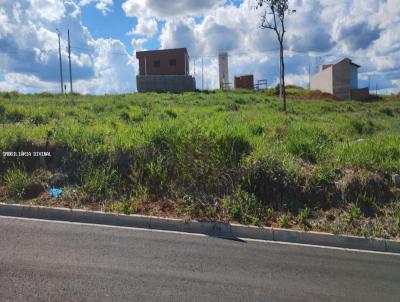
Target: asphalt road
column 49, row 261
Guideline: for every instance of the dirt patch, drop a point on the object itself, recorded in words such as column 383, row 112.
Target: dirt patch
column 315, row 96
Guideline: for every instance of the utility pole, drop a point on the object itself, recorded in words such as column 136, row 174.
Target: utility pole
column 69, row 58
column 59, row 54
column 202, row 73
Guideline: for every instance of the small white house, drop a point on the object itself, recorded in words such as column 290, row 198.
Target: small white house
column 340, row 79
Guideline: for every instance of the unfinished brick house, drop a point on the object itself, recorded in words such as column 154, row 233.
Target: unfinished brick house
column 341, row 80
column 244, row 82
column 164, row 70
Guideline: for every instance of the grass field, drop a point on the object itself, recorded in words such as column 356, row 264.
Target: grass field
column 325, row 165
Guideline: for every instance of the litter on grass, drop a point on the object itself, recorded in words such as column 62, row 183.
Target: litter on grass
column 55, row 192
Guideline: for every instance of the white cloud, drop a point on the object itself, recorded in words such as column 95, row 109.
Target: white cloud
column 115, row 69
column 5, row 27
column 103, row 5
column 45, row 10
column 162, row 9
column 361, row 30
column 147, row 27
column 328, row 30
column 29, row 51
column 138, row 43
column 26, row 83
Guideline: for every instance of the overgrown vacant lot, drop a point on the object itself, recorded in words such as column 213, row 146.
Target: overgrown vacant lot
column 233, row 156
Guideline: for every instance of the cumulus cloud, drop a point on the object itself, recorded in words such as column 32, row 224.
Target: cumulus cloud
column 147, row 27
column 114, row 68
column 359, row 35
column 137, row 44
column 103, row 5
column 29, row 50
column 321, row 31
column 162, row 9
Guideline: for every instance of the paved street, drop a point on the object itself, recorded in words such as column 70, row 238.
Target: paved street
column 49, row 261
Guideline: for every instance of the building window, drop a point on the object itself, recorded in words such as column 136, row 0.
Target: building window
column 172, row 62
column 157, row 64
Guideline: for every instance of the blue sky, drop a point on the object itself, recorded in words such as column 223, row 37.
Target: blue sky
column 106, row 34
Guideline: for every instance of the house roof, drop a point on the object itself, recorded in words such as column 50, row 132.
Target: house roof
column 351, row 62
column 326, row 66
column 148, row 52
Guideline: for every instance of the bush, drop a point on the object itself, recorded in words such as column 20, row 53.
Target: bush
column 38, row 119
column 171, row 114
column 283, row 221
column 2, row 111
column 270, row 180
column 251, row 209
column 9, row 95
column 16, row 181
column 125, row 116
column 99, row 184
column 352, row 215
column 232, row 107
column 364, row 187
column 362, row 127
column 309, row 143
column 190, row 160
column 244, row 207
column 303, row 215
column 387, row 111
column 15, row 116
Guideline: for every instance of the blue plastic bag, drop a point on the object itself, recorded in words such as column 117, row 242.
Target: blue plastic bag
column 55, row 192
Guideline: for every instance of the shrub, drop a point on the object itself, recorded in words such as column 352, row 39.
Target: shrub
column 251, row 208
column 38, row 119
column 283, row 221
column 397, row 217
column 366, row 187
column 269, row 179
column 363, row 127
column 15, row 116
column 232, row 107
column 232, row 207
column 171, row 114
column 367, row 204
column 240, row 101
column 2, row 111
column 303, row 215
column 308, row 143
column 125, row 116
column 387, row 111
column 16, row 181
column 352, row 215
column 98, row 184
column 45, row 94
column 269, row 214
column 232, row 148
column 9, row 94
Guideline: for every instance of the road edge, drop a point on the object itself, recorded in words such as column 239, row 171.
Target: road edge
column 217, row 229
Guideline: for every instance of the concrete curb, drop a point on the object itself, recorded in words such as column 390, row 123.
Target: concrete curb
column 209, row 228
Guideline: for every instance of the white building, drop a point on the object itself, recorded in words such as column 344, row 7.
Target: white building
column 340, row 79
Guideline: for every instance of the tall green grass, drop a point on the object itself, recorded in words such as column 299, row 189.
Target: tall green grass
column 202, row 144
